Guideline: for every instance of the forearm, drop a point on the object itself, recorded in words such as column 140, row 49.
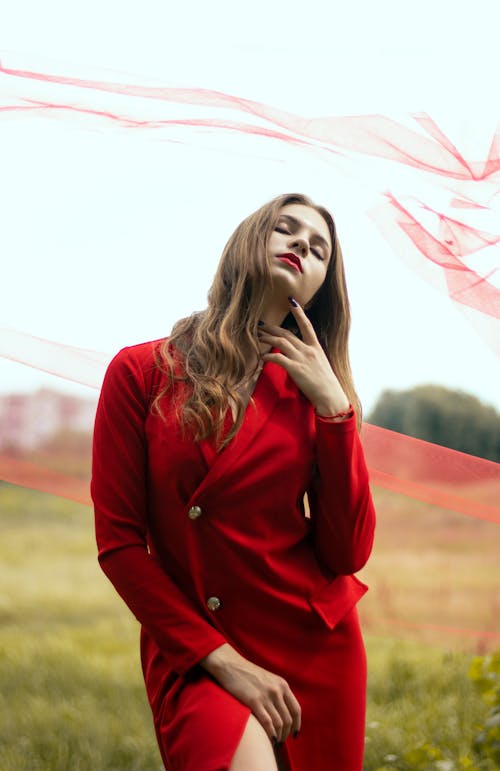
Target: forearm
column 342, row 511
column 161, row 607
column 220, row 659
column 332, row 403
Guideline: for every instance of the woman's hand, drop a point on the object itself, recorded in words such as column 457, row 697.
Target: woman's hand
column 306, row 362
column 268, row 695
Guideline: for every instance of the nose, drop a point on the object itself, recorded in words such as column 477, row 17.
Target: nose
column 300, row 245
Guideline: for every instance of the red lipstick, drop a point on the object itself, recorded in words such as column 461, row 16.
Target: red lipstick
column 291, row 259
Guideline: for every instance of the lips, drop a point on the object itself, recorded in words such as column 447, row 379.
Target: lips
column 291, row 259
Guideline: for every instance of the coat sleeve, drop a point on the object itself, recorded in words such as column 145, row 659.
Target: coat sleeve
column 119, row 492
column 342, row 510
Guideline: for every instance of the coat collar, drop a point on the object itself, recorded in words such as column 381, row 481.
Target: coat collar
column 270, row 386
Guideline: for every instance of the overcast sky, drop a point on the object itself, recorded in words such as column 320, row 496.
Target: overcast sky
column 109, row 235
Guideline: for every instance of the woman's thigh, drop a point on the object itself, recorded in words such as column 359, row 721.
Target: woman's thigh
column 254, row 751
column 199, row 728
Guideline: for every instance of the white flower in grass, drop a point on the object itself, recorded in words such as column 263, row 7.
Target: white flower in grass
column 444, row 765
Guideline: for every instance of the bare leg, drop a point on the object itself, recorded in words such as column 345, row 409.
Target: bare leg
column 255, row 751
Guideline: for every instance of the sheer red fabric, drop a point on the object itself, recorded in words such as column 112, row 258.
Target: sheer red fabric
column 446, row 231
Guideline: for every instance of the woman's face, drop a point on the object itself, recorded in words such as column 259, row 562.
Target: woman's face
column 299, row 250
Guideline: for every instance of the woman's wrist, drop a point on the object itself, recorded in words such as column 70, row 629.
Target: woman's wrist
column 339, row 416
column 332, row 401
column 329, row 408
column 219, row 658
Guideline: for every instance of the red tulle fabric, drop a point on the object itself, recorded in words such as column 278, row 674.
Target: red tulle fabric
column 454, row 255
column 449, row 240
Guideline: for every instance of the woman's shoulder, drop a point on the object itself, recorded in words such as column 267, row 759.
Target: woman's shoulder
column 138, row 361
column 143, row 352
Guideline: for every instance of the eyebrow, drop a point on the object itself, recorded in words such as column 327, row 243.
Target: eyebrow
column 294, row 221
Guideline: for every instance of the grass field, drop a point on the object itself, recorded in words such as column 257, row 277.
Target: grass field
column 71, row 690
column 431, row 566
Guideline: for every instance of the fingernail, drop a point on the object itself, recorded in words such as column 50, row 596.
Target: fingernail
column 274, row 739
column 295, row 734
column 259, row 334
column 293, row 302
column 260, row 322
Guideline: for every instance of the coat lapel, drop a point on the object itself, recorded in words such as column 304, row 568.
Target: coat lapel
column 272, row 384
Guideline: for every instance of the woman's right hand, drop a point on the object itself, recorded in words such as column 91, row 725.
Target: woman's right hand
column 269, row 696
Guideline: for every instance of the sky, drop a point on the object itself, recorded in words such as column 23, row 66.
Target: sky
column 109, row 235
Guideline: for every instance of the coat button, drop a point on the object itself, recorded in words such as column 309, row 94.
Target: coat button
column 213, row 603
column 194, row 512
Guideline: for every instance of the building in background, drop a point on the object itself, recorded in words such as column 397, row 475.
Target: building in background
column 26, row 420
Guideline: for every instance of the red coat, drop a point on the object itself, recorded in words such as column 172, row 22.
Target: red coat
column 208, row 547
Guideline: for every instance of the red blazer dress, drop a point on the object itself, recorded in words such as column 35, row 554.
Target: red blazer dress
column 209, row 547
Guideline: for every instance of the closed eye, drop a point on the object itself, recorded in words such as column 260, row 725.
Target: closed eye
column 317, row 253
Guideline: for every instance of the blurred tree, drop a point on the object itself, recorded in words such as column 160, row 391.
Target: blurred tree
column 441, row 415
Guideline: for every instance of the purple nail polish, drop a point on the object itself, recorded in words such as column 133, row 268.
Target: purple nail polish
column 260, row 323
column 293, row 302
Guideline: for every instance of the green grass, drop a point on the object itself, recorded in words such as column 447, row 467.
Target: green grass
column 71, row 691
column 419, row 695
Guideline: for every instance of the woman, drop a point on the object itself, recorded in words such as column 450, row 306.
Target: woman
column 205, row 445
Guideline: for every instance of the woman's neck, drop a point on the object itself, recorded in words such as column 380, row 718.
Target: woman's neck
column 274, row 312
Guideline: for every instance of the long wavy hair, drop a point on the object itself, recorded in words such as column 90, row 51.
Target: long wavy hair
column 209, row 351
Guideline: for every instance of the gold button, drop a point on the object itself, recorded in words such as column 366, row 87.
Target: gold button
column 213, row 603
column 194, row 512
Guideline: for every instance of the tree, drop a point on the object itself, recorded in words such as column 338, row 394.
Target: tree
column 441, row 415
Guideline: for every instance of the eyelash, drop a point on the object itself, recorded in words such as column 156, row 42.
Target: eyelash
column 314, row 251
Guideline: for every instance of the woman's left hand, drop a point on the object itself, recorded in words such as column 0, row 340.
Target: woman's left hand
column 306, row 363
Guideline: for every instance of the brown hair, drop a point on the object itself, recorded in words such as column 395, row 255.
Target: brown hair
column 213, row 346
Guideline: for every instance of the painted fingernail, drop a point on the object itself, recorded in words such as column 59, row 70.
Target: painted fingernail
column 295, row 734
column 293, row 302
column 274, row 739
column 259, row 334
column 260, row 322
